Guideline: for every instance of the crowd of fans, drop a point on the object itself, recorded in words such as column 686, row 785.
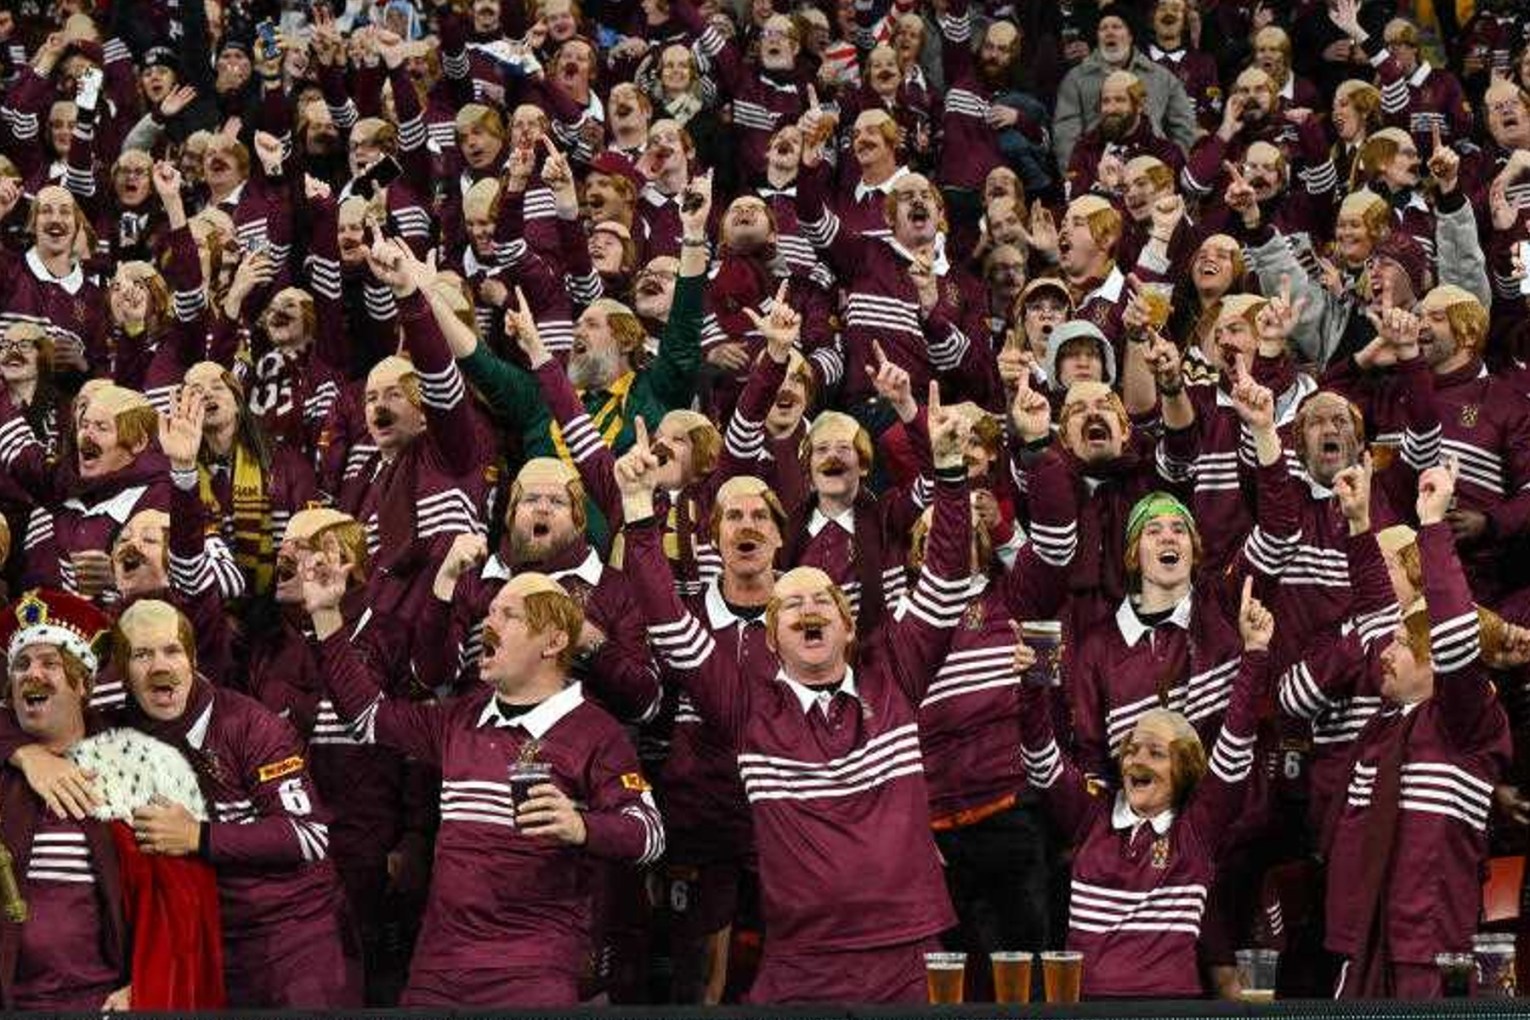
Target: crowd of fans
column 513, row 503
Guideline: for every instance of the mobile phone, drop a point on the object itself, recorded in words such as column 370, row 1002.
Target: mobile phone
column 1524, row 263
column 256, row 245
column 269, row 47
column 606, row 38
column 379, row 175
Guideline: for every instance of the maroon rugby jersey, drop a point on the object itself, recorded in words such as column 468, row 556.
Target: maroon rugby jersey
column 834, row 780
column 1335, row 685
column 1139, row 886
column 500, row 900
column 1457, row 745
column 70, row 953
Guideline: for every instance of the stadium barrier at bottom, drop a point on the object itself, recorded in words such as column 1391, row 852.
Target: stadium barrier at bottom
column 1310, row 1009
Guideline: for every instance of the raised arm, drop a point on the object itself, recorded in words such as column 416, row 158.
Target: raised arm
column 1062, row 785
column 1220, row 795
column 683, row 646
column 416, row 729
column 672, row 376
column 1333, row 665
column 1461, row 685
column 920, row 634
column 452, row 436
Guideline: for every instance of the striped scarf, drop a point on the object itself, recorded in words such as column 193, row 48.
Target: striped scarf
column 609, row 420
column 251, row 512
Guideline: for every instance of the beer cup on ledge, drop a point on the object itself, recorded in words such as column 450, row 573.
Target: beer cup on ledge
column 1456, row 973
column 944, row 974
column 1011, row 975
column 1062, row 974
column 1257, row 969
column 1495, row 965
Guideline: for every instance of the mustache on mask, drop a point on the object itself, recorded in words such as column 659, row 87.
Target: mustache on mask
column 662, row 451
column 833, row 466
column 811, row 621
column 491, row 640
column 130, row 557
column 41, row 688
column 383, row 418
column 286, row 570
column 164, row 679
column 89, row 448
column 747, row 535
column 1139, row 772
column 1093, row 421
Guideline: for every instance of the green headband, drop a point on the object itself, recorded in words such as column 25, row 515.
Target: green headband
column 1155, row 504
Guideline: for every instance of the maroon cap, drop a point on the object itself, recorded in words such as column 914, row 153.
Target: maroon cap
column 614, row 164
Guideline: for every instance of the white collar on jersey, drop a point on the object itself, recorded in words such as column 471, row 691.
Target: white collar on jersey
column 845, row 519
column 810, row 697
column 1123, row 817
column 589, row 570
column 1132, row 629
column 939, row 264
column 119, row 507
column 540, row 719
column 71, row 281
column 1109, row 289
column 719, row 615
column 659, row 199
column 864, row 190
column 233, row 197
column 1420, row 73
column 198, row 732
column 1158, row 53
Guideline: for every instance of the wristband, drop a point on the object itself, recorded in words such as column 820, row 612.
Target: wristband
column 1173, row 390
column 686, row 242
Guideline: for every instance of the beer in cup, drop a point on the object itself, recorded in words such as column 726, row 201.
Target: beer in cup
column 944, row 974
column 1011, row 976
column 1062, row 974
column 523, row 776
column 1157, row 297
column 1045, row 638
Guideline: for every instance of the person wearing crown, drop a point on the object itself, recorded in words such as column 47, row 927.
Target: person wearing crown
column 93, row 921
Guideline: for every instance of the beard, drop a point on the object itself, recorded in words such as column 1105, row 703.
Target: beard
column 592, row 369
column 1115, row 126
column 526, row 549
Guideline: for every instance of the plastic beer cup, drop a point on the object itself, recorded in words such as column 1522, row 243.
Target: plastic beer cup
column 1062, row 974
column 944, row 974
column 1011, row 976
